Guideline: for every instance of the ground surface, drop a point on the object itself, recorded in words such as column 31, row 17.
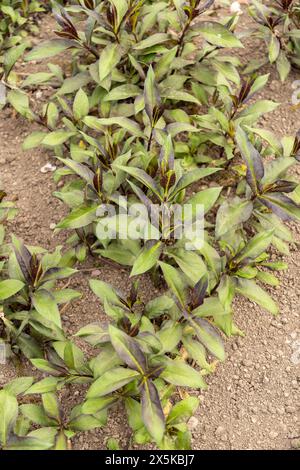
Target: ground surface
column 253, row 400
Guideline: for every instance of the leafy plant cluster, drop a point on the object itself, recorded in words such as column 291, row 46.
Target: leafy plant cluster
column 152, row 109
column 16, row 20
column 278, row 24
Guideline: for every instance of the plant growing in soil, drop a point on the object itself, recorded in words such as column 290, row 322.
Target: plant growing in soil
column 279, row 26
column 160, row 120
column 43, row 426
column 148, row 350
column 29, row 298
column 15, row 23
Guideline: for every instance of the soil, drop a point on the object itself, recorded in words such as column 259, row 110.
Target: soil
column 253, row 399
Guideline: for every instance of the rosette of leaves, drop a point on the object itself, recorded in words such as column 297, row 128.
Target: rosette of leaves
column 30, row 300
column 16, row 20
column 43, row 425
column 111, row 59
column 157, row 233
column 148, row 350
column 215, row 144
column 279, row 25
column 65, row 362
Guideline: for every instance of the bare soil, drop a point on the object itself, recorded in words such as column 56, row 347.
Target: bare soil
column 253, row 399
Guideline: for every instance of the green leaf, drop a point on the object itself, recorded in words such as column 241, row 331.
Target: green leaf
column 128, row 350
column 8, row 414
column 123, row 92
column 79, row 169
column 191, row 177
column 111, row 381
column 9, row 287
column 74, row 83
column 146, row 259
column 274, row 48
column 30, row 443
column 231, row 214
column 37, row 79
column 151, row 94
column 20, row 101
column 174, row 281
column 209, row 337
column 34, row 140
column 252, row 113
column 93, row 334
column 197, row 352
column 152, row 40
column 190, row 263
column 283, row 66
column 94, row 405
column 99, row 124
column 51, row 406
column 88, row 422
column 48, row 49
column 57, row 138
column 253, row 160
column 207, row 198
column 152, row 413
column 19, row 386
column 183, row 411
column 248, row 288
column 12, row 55
column 277, row 168
column 36, row 414
column 49, row 384
column 181, row 374
column 109, row 59
column 171, row 94
column 81, row 105
column 256, row 246
column 281, row 205
column 44, row 302
column 105, row 292
column 170, row 335
column 163, row 65
column 78, row 218
column 142, row 177
column 217, row 34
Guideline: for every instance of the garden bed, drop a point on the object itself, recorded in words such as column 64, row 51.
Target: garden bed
column 253, row 398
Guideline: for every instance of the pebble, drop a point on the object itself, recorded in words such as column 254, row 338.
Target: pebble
column 220, row 431
column 52, row 226
column 273, row 434
column 290, row 409
column 96, row 273
column 247, row 363
column 193, row 423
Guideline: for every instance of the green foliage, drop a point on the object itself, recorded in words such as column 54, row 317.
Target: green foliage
column 278, row 24
column 154, row 111
column 29, row 299
column 43, row 425
column 16, row 20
